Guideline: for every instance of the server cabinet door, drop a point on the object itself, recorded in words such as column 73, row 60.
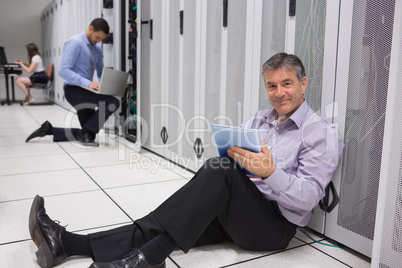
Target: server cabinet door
column 212, row 74
column 222, row 100
column 190, row 60
column 233, row 62
column 387, row 243
column 361, row 88
column 273, row 36
column 152, row 89
column 315, row 43
column 143, row 84
column 313, row 38
column 174, row 81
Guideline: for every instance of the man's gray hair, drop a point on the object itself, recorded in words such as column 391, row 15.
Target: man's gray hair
column 286, row 61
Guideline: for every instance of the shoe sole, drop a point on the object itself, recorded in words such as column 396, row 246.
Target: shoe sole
column 44, row 255
column 92, row 144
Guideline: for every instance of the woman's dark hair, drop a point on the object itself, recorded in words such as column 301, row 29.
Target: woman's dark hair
column 32, row 51
column 100, row 24
column 285, row 61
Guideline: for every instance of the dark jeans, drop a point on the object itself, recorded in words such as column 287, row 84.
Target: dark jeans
column 220, row 203
column 92, row 110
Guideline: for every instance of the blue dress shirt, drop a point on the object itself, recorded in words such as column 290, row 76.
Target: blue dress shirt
column 306, row 150
column 79, row 60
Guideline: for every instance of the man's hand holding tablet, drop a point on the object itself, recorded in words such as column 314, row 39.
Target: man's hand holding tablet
column 244, row 146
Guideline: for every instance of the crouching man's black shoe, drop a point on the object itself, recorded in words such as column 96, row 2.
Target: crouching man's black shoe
column 87, row 139
column 45, row 129
column 134, row 259
column 46, row 234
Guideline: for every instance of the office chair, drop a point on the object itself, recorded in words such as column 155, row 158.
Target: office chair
column 50, row 77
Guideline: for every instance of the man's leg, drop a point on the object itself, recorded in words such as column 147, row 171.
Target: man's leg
column 65, row 134
column 92, row 109
column 222, row 191
column 220, row 203
column 59, row 134
column 115, row 243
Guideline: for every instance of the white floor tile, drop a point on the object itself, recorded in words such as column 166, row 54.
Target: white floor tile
column 23, row 186
column 79, row 211
column 168, row 164
column 76, row 147
column 10, row 116
column 57, row 116
column 32, row 164
column 21, row 132
column 35, row 110
column 130, row 174
column 30, row 149
column 105, row 142
column 97, row 158
column 85, row 210
column 62, row 121
column 137, row 201
column 14, row 221
column 350, row 257
column 12, row 140
column 303, row 257
column 220, row 255
column 17, row 124
column 14, row 113
column 22, row 254
column 306, row 235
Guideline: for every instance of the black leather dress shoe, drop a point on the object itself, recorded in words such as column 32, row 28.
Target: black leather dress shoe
column 46, row 234
column 45, row 129
column 134, row 259
column 87, row 139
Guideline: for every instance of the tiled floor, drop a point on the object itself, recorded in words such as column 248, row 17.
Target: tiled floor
column 93, row 189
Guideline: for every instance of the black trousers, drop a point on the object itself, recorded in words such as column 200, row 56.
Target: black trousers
column 92, row 110
column 220, row 203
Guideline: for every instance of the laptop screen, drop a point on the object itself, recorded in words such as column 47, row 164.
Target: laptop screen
column 3, row 59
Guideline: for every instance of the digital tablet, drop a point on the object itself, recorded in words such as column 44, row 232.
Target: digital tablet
column 226, row 137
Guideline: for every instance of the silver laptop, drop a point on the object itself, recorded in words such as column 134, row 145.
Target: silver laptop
column 112, row 83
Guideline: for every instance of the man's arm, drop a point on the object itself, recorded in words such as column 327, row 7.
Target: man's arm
column 317, row 162
column 68, row 61
column 261, row 164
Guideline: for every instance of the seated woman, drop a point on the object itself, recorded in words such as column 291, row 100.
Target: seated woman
column 36, row 67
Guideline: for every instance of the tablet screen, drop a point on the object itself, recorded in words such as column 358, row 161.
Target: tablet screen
column 226, row 137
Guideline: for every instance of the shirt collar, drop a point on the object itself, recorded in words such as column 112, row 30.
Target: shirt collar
column 297, row 117
column 85, row 39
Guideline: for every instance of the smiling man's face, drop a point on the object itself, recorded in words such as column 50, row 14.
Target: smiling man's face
column 285, row 93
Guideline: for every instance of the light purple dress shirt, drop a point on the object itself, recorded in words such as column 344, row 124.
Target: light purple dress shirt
column 306, row 150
